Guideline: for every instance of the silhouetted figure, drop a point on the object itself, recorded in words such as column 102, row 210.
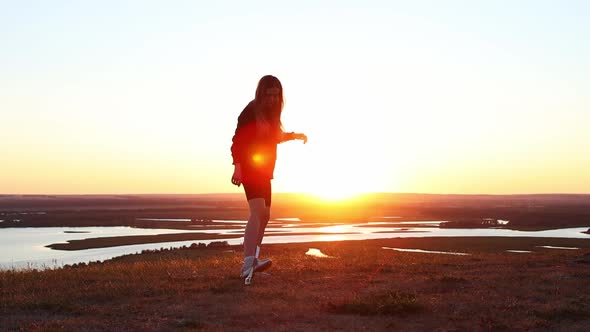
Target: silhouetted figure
column 254, row 152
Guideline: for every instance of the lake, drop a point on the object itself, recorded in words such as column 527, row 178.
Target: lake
column 26, row 247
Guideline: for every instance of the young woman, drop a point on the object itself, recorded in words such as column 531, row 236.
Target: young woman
column 254, row 152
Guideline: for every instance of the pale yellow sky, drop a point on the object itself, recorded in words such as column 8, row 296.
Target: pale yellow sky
column 412, row 97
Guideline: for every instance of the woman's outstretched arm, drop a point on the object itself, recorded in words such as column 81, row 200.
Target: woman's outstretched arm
column 285, row 137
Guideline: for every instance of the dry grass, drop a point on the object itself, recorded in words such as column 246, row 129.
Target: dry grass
column 363, row 287
column 379, row 303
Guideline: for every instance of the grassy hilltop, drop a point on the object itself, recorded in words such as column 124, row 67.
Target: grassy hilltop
column 361, row 287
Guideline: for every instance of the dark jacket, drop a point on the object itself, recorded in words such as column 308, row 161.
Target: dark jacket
column 255, row 151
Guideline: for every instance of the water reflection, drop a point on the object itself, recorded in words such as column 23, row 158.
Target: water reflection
column 230, row 221
column 431, row 223
column 563, row 248
column 287, row 219
column 24, row 247
column 163, row 219
column 317, row 253
column 427, row 251
column 338, row 229
column 330, row 238
column 520, row 251
column 21, row 247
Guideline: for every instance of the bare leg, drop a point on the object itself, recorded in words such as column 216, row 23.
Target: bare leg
column 256, row 219
column 263, row 223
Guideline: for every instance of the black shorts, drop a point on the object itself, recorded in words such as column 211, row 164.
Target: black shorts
column 259, row 189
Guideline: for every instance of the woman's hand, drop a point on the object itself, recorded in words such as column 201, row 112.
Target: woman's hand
column 236, row 178
column 300, row 136
column 285, row 137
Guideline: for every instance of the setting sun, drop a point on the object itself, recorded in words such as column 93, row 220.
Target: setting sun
column 334, row 168
column 432, row 102
column 332, row 194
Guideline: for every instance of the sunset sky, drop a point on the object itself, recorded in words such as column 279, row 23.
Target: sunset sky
column 111, row 97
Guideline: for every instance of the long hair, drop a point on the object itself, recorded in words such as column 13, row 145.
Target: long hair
column 269, row 117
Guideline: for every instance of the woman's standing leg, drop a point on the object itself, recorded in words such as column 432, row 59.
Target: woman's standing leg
column 267, row 193
column 256, row 219
column 265, row 263
column 263, row 224
column 257, row 210
column 259, row 202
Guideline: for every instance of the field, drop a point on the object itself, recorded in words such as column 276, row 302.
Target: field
column 360, row 287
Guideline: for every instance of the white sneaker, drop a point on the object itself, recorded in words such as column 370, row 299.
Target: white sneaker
column 262, row 264
column 249, row 264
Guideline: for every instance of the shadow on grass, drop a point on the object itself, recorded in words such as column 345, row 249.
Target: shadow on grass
column 388, row 303
column 191, row 324
column 574, row 311
column 227, row 286
column 54, row 306
column 452, row 279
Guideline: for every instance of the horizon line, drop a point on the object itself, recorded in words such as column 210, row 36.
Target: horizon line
column 288, row 192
